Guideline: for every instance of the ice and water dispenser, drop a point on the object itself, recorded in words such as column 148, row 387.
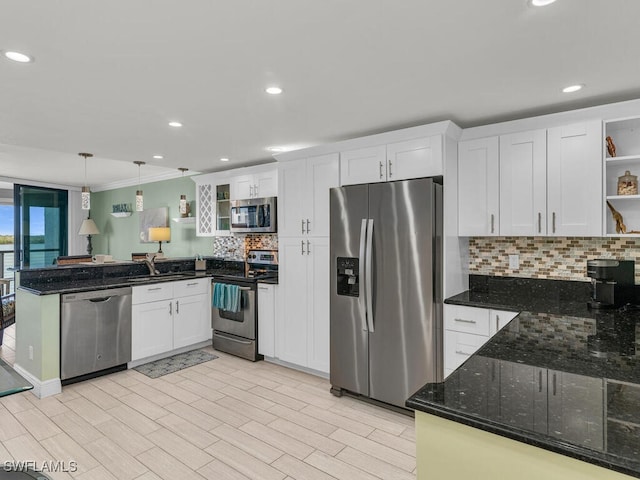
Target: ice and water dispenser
column 348, row 272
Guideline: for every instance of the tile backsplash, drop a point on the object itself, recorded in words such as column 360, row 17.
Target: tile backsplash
column 562, row 258
column 236, row 246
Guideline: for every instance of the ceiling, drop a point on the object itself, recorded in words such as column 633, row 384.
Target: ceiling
column 109, row 76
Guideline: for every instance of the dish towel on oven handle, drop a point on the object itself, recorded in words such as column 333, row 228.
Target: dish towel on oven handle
column 226, row 297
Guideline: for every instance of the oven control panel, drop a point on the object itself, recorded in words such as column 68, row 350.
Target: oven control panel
column 263, row 257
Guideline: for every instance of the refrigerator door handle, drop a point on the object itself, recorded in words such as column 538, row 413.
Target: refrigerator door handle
column 361, row 273
column 369, row 275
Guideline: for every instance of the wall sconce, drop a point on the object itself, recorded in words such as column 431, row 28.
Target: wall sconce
column 139, row 197
column 159, row 234
column 86, row 193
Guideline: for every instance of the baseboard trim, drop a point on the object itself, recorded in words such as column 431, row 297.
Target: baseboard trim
column 293, row 366
column 41, row 389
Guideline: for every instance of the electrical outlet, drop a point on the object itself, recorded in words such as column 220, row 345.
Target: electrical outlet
column 514, row 262
column 30, row 352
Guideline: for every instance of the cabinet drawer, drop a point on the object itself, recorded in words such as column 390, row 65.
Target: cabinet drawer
column 466, row 319
column 196, row 286
column 460, row 346
column 152, row 293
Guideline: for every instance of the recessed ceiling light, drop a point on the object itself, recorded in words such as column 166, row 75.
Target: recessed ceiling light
column 273, row 90
column 541, row 3
column 158, row 157
column 175, row 124
column 572, row 88
column 18, row 57
column 224, row 159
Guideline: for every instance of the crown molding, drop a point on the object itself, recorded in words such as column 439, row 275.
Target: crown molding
column 133, row 182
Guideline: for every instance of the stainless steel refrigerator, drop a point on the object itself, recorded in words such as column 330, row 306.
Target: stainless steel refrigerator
column 386, row 288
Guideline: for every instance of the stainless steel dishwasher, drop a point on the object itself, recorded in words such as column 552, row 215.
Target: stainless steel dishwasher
column 95, row 331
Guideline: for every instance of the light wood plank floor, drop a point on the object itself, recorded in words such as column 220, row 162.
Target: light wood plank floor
column 224, row 419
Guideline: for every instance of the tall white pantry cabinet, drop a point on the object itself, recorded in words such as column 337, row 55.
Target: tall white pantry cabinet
column 302, row 322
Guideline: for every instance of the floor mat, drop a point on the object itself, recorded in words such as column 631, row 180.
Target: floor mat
column 161, row 367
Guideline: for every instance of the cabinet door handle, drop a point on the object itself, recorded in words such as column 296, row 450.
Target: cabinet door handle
column 177, row 306
column 390, row 165
column 492, row 223
column 497, row 322
column 301, row 247
column 170, row 308
column 554, row 384
column 462, row 352
column 308, row 247
column 380, row 163
column 192, row 284
column 539, row 380
column 539, row 222
column 308, row 222
column 463, row 320
column 302, row 226
column 250, row 191
column 153, row 289
column 255, row 190
column 553, row 222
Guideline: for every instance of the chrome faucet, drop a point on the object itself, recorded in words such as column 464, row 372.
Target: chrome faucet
column 151, row 266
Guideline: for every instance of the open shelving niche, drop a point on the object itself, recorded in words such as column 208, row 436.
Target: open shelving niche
column 625, row 133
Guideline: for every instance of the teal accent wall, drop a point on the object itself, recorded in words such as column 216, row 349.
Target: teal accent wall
column 120, row 236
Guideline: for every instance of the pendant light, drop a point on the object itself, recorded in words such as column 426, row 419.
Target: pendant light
column 183, row 198
column 139, row 198
column 86, row 193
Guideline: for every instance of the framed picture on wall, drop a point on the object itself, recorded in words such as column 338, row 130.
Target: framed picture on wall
column 153, row 217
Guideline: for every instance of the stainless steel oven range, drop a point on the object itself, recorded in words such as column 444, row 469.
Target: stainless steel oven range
column 236, row 332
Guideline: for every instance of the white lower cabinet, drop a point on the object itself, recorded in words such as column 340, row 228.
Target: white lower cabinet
column 168, row 316
column 266, row 319
column 151, row 328
column 302, row 322
column 466, row 329
column 191, row 320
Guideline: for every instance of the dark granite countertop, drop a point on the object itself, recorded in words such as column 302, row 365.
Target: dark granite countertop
column 559, row 376
column 83, row 278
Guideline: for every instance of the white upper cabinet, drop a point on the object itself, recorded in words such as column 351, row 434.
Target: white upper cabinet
column 364, row 165
column 254, row 184
column 416, row 158
column 205, row 209
column 478, row 188
column 303, row 209
column 574, row 180
column 523, row 179
column 421, row 157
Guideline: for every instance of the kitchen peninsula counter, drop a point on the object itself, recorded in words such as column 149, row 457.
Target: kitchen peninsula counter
column 559, row 377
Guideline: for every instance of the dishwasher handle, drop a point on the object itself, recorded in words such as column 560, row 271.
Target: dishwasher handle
column 100, row 299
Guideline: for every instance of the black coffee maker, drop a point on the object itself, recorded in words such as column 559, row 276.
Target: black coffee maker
column 612, row 282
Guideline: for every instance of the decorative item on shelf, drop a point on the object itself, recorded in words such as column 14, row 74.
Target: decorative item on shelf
column 159, row 234
column 139, row 197
column 88, row 228
column 611, row 148
column 617, row 216
column 121, row 210
column 628, row 184
column 86, row 193
column 185, row 208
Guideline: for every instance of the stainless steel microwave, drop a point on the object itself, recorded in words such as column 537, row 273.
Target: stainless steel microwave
column 254, row 215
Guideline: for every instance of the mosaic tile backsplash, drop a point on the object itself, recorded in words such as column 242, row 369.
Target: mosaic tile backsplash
column 562, row 258
column 236, row 246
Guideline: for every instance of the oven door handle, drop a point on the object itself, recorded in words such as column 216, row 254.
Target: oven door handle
column 233, row 339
